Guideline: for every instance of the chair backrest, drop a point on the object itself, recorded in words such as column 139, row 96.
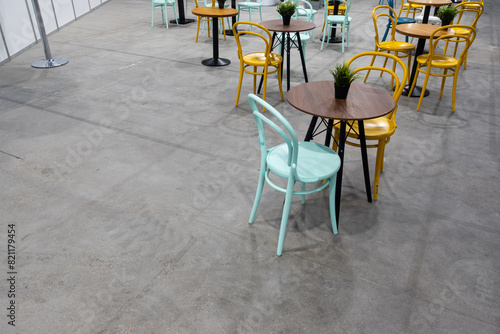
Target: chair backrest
column 408, row 9
column 436, row 41
column 283, row 128
column 196, row 4
column 304, row 9
column 464, row 7
column 382, row 17
column 399, row 79
column 265, row 37
column 345, row 3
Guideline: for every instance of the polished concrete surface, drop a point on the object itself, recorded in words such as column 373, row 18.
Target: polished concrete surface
column 130, row 176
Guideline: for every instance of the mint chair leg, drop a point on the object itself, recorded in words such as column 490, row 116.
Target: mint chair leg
column 303, row 188
column 153, row 17
column 258, row 193
column 331, row 198
column 286, row 211
column 166, row 16
column 175, row 15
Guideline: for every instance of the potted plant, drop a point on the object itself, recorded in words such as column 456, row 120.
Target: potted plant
column 343, row 76
column 286, row 9
column 446, row 14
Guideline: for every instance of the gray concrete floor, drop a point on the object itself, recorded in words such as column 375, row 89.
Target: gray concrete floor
column 130, row 175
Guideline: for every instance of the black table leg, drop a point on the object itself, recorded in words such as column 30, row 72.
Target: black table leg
column 215, row 61
column 364, row 158
column 310, row 131
column 272, row 48
column 417, row 90
column 338, row 186
column 287, row 60
column 302, row 60
column 182, row 19
column 229, row 32
column 329, row 128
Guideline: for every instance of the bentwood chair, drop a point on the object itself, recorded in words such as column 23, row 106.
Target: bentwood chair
column 294, row 161
column 382, row 128
column 441, row 61
column 330, row 7
column 305, row 12
column 406, row 9
column 248, row 6
column 337, row 21
column 476, row 8
column 207, row 20
column 257, row 63
column 400, row 20
column 163, row 5
column 400, row 49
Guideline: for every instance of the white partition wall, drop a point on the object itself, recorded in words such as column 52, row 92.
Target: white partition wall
column 18, row 26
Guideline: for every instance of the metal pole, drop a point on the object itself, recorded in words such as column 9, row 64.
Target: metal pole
column 48, row 62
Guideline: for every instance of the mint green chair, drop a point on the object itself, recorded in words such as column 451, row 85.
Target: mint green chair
column 337, row 21
column 304, row 162
column 163, row 5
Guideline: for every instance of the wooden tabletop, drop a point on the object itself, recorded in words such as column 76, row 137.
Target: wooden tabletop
column 435, row 3
column 214, row 12
column 317, row 98
column 421, row 30
column 295, row 25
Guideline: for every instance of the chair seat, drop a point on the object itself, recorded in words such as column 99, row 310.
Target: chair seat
column 375, row 129
column 439, row 61
column 432, row 19
column 406, row 20
column 461, row 31
column 249, row 4
column 317, row 162
column 337, row 18
column 396, row 46
column 259, row 59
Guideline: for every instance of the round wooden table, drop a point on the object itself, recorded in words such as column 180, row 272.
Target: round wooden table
column 215, row 13
column 364, row 102
column 428, row 4
column 422, row 31
column 296, row 26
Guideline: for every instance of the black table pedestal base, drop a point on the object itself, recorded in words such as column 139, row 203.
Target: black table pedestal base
column 182, row 21
column 417, row 91
column 332, row 39
column 216, row 62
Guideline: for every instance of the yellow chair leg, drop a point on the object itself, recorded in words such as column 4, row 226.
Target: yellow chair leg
column 443, row 82
column 427, row 75
column 197, row 30
column 378, row 166
column 455, row 79
column 239, row 84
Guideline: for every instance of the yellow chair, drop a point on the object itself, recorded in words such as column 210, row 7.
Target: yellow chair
column 472, row 7
column 250, row 62
column 207, row 20
column 391, row 45
column 408, row 9
column 382, row 128
column 330, row 8
column 442, row 61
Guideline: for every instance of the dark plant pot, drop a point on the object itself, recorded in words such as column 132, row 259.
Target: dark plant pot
column 221, row 3
column 341, row 92
column 445, row 23
column 286, row 20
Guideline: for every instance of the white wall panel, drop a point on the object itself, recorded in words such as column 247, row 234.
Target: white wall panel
column 81, row 7
column 64, row 11
column 49, row 20
column 16, row 25
column 94, row 3
column 3, row 51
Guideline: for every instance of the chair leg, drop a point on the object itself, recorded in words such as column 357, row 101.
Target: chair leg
column 166, row 17
column 331, row 200
column 223, row 28
column 454, row 93
column 153, row 17
column 198, row 32
column 427, row 75
column 414, row 81
column 258, row 194
column 303, row 188
column 175, row 14
column 284, row 217
column 442, row 83
column 378, row 166
column 371, row 64
column 239, row 84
